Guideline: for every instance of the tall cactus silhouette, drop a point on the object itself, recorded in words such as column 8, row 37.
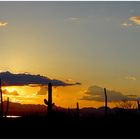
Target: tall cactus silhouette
column 138, row 103
column 105, row 101
column 7, row 107
column 77, row 110
column 49, row 102
column 1, row 99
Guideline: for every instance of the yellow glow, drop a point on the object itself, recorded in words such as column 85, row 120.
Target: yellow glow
column 11, row 89
column 2, row 24
column 62, row 96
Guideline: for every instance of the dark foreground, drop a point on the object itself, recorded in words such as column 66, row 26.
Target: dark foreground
column 63, row 126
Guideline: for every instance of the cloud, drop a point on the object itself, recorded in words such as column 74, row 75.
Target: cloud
column 133, row 97
column 43, row 90
column 2, row 24
column 96, row 93
column 135, row 19
column 77, row 83
column 125, row 24
column 20, row 79
column 130, row 78
column 74, row 19
column 5, row 91
column 80, row 19
column 69, row 80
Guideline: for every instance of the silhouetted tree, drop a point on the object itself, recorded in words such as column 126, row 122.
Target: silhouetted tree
column 126, row 104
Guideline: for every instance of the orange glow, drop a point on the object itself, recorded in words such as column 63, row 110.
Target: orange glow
column 11, row 89
column 62, row 96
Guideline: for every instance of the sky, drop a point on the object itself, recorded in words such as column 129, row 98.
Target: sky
column 95, row 43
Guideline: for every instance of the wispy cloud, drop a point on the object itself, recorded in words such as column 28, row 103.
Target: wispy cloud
column 132, row 21
column 69, row 80
column 74, row 19
column 133, row 78
column 3, row 24
column 125, row 24
column 84, row 18
column 135, row 19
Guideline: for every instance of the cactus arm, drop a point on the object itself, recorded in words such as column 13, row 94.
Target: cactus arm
column 45, row 101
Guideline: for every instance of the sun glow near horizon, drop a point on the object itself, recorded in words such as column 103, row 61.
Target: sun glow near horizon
column 66, row 97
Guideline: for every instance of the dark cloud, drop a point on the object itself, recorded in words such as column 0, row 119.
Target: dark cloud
column 5, row 91
column 11, row 79
column 43, row 90
column 96, row 93
column 132, row 97
column 77, row 83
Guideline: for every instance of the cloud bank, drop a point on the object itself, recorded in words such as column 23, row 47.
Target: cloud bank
column 96, row 93
column 21, row 79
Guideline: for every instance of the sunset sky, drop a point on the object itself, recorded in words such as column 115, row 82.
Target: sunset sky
column 93, row 43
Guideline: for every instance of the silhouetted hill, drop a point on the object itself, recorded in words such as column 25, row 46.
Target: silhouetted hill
column 64, row 123
column 24, row 109
column 32, row 109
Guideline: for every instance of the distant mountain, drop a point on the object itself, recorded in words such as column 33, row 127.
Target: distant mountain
column 24, row 109
column 29, row 109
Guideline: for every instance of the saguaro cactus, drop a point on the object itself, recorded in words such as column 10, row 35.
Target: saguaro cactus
column 7, row 107
column 77, row 110
column 138, row 103
column 49, row 102
column 105, row 101
column 1, row 100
